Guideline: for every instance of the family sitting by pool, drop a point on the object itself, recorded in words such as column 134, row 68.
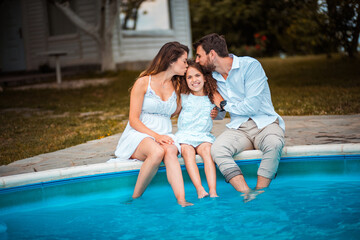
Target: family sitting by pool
column 199, row 91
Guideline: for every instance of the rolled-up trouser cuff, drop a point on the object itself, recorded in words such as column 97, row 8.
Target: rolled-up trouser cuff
column 230, row 173
column 266, row 174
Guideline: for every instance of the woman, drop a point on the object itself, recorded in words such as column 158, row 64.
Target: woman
column 148, row 134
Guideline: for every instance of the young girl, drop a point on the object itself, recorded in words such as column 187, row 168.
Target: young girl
column 198, row 90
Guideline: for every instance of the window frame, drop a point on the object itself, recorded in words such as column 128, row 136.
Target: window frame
column 67, row 36
column 151, row 33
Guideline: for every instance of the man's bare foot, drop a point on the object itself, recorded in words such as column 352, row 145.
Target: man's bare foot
column 251, row 195
column 184, row 203
column 201, row 193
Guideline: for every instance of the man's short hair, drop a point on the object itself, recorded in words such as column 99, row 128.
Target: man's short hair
column 213, row 41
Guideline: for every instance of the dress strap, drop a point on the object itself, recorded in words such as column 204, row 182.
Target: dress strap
column 149, row 81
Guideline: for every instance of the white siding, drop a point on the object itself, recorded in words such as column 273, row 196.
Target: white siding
column 35, row 33
column 140, row 48
column 82, row 49
column 88, row 47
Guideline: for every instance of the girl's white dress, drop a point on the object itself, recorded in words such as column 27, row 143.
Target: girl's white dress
column 155, row 114
column 194, row 122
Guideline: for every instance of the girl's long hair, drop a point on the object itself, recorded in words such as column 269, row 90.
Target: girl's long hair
column 210, row 85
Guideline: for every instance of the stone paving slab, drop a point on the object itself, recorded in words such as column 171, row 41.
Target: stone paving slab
column 300, row 130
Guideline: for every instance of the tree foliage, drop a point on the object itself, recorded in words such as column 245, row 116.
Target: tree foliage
column 291, row 26
column 343, row 24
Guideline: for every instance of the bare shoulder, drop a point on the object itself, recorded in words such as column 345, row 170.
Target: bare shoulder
column 141, row 84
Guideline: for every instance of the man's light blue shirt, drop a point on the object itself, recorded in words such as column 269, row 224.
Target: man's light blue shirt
column 247, row 93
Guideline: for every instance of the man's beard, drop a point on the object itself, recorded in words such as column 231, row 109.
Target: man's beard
column 210, row 66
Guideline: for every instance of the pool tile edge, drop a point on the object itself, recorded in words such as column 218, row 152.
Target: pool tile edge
column 101, row 168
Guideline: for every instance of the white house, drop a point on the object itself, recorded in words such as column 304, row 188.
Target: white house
column 30, row 28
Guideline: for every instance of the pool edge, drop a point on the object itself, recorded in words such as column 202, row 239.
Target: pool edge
column 103, row 168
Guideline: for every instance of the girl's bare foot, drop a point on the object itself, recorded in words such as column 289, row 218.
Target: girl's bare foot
column 213, row 194
column 184, row 203
column 201, row 193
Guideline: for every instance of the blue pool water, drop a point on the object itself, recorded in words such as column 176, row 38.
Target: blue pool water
column 308, row 200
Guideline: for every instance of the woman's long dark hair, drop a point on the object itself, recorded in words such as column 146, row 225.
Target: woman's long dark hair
column 210, row 85
column 168, row 54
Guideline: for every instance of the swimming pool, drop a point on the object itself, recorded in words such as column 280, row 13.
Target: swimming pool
column 315, row 197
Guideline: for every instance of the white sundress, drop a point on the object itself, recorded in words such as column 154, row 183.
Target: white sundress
column 155, row 114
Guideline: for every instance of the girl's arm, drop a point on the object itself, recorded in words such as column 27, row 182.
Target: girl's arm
column 136, row 99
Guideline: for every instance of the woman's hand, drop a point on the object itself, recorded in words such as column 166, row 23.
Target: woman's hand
column 164, row 139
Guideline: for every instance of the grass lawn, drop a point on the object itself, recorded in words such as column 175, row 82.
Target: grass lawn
column 39, row 121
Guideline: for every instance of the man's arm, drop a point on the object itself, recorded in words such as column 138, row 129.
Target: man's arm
column 216, row 113
column 255, row 82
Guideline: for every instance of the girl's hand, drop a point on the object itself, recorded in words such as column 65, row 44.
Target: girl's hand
column 214, row 112
column 164, row 139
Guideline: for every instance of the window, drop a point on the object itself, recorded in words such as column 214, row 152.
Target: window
column 144, row 15
column 59, row 24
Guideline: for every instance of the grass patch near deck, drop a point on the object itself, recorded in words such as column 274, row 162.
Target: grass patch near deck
column 314, row 85
column 34, row 121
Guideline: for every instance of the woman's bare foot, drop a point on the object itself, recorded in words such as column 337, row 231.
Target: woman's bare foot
column 184, row 203
column 201, row 193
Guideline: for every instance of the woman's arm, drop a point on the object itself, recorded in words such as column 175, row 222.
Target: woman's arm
column 178, row 109
column 136, row 100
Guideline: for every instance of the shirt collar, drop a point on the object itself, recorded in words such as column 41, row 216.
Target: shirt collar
column 235, row 64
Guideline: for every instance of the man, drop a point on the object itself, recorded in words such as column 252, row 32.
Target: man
column 254, row 123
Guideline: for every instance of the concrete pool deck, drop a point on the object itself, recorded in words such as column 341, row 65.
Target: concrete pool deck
column 304, row 134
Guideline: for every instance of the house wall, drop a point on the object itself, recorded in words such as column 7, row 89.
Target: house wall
column 82, row 49
column 140, row 46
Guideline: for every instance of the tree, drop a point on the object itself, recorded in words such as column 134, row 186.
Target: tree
column 103, row 31
column 130, row 10
column 344, row 24
column 291, row 26
column 241, row 21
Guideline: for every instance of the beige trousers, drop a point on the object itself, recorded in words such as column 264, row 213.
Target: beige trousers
column 270, row 140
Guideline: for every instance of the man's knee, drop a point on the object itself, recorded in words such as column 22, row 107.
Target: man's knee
column 273, row 142
column 220, row 150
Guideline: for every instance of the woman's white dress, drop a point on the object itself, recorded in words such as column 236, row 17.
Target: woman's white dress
column 155, row 114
